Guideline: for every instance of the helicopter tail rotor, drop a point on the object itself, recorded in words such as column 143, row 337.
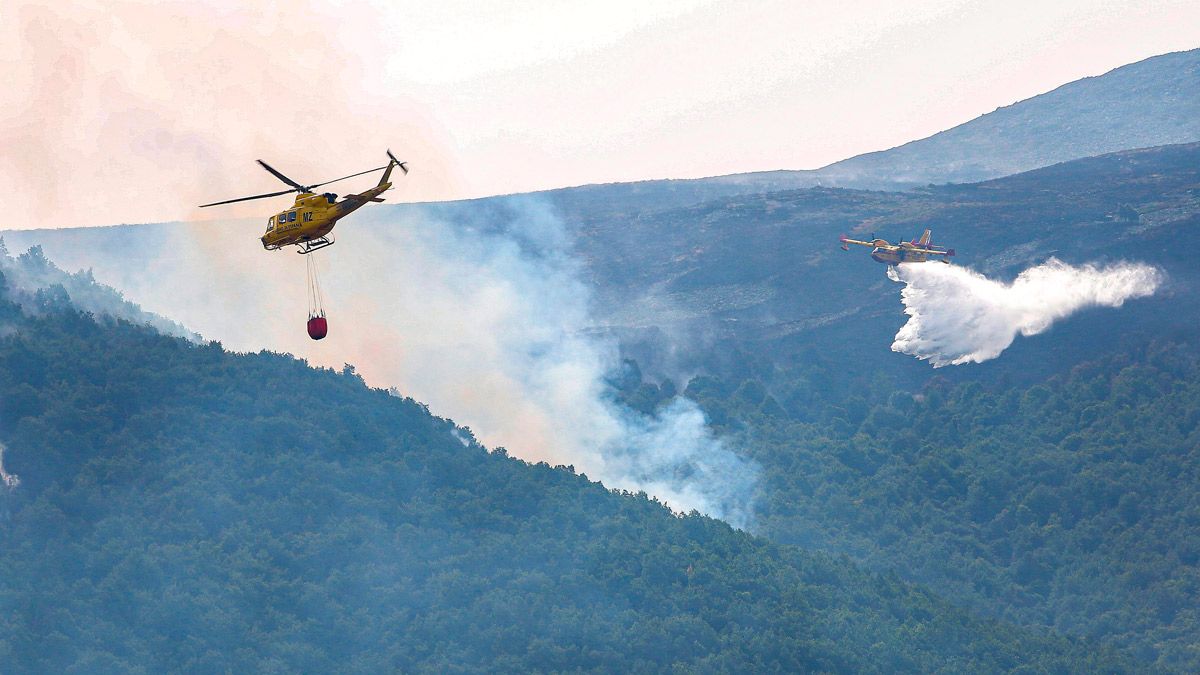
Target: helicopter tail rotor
column 403, row 165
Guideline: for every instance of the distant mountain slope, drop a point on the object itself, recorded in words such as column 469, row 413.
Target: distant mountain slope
column 766, row 269
column 181, row 508
column 1152, row 102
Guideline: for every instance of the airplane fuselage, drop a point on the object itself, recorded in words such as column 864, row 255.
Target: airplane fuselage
column 894, row 255
column 915, row 251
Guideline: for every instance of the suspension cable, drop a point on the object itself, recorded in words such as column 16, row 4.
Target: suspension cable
column 316, row 299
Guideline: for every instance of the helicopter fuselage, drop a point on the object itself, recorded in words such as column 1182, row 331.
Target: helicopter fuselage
column 310, row 220
column 313, row 216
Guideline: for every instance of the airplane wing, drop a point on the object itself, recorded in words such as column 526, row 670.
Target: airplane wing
column 846, row 240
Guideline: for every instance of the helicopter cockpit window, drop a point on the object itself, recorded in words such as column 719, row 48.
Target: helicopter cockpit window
column 291, row 216
column 270, row 223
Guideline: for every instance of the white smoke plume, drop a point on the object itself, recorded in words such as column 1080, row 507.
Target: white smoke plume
column 480, row 313
column 493, row 327
column 959, row 316
column 30, row 272
column 7, row 480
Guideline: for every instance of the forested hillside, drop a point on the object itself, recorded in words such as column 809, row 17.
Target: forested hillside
column 1073, row 503
column 183, row 508
column 180, row 507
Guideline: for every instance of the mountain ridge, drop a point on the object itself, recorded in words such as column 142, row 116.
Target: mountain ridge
column 1077, row 119
column 181, row 507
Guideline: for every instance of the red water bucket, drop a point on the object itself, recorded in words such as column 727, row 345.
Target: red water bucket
column 318, row 327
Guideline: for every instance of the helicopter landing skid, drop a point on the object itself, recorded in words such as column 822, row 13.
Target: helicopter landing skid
column 311, row 245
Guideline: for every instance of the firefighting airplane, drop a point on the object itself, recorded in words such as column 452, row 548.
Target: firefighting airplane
column 917, row 250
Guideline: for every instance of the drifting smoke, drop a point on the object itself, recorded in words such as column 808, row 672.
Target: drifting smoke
column 30, row 279
column 7, row 480
column 492, row 327
column 959, row 316
column 477, row 309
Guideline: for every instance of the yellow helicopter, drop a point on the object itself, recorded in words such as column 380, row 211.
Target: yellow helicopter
column 308, row 224
column 917, row 250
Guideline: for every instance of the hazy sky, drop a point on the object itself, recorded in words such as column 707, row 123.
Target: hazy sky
column 121, row 111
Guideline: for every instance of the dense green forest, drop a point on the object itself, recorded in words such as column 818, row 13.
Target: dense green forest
column 1054, row 488
column 184, row 508
column 168, row 506
column 1071, row 503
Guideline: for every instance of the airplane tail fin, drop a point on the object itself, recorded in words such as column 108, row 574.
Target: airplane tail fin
column 925, row 238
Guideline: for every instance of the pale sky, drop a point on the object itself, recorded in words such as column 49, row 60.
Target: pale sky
column 126, row 111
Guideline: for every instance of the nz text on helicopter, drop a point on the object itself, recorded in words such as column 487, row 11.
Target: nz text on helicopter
column 917, row 250
column 308, row 224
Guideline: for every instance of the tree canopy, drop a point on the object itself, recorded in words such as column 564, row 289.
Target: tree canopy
column 184, row 508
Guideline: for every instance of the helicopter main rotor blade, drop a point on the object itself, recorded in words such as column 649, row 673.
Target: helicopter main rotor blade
column 246, row 199
column 310, row 187
column 281, row 177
